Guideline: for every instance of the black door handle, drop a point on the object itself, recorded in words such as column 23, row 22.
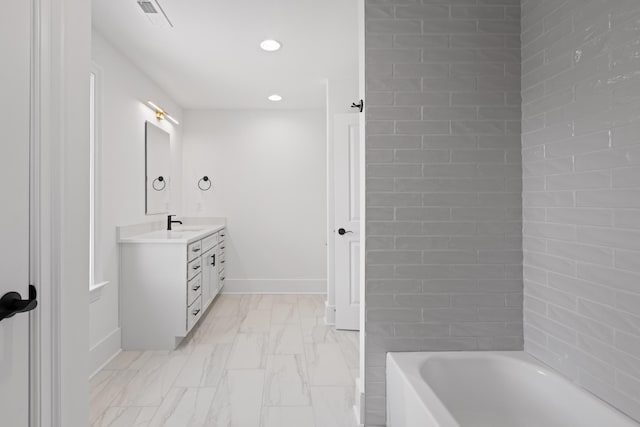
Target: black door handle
column 12, row 303
column 342, row 231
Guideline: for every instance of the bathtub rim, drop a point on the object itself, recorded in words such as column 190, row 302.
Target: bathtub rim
column 410, row 364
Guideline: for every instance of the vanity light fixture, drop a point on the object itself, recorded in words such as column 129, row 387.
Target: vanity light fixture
column 270, row 45
column 161, row 114
column 275, row 98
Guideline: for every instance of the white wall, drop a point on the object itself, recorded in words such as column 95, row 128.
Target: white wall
column 124, row 91
column 341, row 93
column 269, row 180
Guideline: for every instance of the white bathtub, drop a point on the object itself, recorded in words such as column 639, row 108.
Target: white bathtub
column 487, row 389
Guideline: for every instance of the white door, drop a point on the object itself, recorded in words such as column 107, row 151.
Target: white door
column 15, row 81
column 347, row 220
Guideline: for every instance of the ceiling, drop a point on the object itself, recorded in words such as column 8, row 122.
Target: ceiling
column 211, row 57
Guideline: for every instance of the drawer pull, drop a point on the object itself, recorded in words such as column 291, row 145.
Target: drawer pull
column 195, row 288
column 222, row 235
column 195, row 312
column 222, row 247
column 222, row 262
column 222, row 278
column 195, row 250
column 195, row 267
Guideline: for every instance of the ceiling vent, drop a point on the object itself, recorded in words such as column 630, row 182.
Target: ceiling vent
column 155, row 13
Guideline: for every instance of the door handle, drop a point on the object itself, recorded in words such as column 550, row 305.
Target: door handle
column 213, row 260
column 342, row 231
column 12, row 303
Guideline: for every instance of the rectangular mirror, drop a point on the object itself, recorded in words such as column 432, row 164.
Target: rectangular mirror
column 157, row 170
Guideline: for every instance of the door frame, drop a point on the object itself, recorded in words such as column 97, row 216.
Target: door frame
column 61, row 37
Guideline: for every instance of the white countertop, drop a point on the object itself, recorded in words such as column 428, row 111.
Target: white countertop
column 180, row 234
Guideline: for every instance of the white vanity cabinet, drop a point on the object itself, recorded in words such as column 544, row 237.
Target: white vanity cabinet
column 168, row 280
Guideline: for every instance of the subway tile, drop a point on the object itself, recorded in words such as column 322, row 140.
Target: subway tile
column 452, row 84
column 498, row 27
column 580, row 216
column 388, row 228
column 478, row 12
column 621, row 239
column 394, row 113
column 426, row 99
column 478, row 98
column 392, row 170
column 394, row 141
column 607, row 159
column 394, row 257
column 485, row 127
column 578, row 181
column 422, row 330
column 423, row 127
column 448, row 113
column 430, row 12
column 449, row 27
column 450, row 314
column 393, row 56
column 484, row 329
column 392, row 26
column 418, row 70
column 423, row 301
column 628, row 260
column 476, row 40
column 394, row 315
column 610, row 316
column 393, row 287
column 422, row 41
column 612, row 278
column 423, row 214
column 449, row 257
column 477, row 69
column 393, row 199
column 444, row 185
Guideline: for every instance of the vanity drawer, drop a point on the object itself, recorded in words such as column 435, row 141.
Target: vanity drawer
column 194, row 250
column 194, row 312
column 194, row 267
column 194, row 289
column 209, row 242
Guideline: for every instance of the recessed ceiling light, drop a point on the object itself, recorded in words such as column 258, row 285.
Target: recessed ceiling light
column 275, row 98
column 270, row 45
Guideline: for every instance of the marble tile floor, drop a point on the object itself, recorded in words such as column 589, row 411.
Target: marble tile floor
column 253, row 361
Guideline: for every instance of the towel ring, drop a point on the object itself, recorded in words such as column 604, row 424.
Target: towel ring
column 162, row 182
column 207, row 183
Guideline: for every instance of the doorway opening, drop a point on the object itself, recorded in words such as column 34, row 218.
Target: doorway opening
column 263, row 167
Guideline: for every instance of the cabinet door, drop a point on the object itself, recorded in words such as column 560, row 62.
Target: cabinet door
column 207, row 277
column 214, row 274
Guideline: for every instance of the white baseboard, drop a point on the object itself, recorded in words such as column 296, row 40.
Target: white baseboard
column 103, row 352
column 358, row 407
column 275, row 286
column 329, row 314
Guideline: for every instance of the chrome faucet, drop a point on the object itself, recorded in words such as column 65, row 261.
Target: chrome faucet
column 171, row 222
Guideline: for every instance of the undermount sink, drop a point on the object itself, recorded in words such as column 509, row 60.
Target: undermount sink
column 188, row 228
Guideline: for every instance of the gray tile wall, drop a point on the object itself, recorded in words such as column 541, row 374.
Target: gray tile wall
column 444, row 208
column 581, row 161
